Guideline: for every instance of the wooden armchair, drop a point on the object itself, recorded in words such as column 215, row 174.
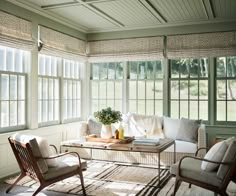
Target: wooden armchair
column 188, row 169
column 33, row 164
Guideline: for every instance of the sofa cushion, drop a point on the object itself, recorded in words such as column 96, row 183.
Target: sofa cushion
column 216, row 153
column 183, row 147
column 140, row 125
column 188, row 130
column 229, row 156
column 94, row 127
column 191, row 168
column 171, row 126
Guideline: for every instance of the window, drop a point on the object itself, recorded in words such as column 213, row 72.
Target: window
column 71, row 90
column 189, row 88
column 145, row 87
column 226, row 89
column 106, row 85
column 13, row 78
column 48, row 90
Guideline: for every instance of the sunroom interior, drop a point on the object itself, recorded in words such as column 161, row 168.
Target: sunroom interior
column 61, row 61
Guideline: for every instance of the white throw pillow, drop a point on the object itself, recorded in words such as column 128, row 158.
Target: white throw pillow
column 216, row 153
column 171, row 127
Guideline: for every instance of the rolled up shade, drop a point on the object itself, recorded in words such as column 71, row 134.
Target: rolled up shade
column 59, row 44
column 148, row 48
column 202, row 45
column 15, row 32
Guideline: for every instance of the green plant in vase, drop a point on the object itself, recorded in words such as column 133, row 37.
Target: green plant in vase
column 107, row 116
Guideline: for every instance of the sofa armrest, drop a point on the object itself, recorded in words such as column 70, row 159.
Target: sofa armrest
column 201, row 143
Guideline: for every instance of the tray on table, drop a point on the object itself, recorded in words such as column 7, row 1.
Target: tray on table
column 95, row 138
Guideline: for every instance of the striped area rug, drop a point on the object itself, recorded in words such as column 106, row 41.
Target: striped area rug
column 106, row 178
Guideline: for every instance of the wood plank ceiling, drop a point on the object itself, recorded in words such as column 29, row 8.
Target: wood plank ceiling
column 117, row 15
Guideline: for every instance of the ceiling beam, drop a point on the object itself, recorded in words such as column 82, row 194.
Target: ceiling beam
column 210, row 9
column 101, row 13
column 151, row 8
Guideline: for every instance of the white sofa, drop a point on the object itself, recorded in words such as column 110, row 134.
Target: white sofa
column 134, row 125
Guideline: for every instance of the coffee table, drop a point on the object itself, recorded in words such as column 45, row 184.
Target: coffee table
column 130, row 147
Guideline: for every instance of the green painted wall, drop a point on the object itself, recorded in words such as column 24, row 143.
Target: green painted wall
column 38, row 19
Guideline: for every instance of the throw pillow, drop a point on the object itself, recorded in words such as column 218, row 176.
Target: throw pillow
column 216, row 153
column 171, row 126
column 94, row 127
column 188, row 130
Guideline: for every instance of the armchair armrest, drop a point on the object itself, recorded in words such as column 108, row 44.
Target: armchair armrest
column 196, row 153
column 55, row 148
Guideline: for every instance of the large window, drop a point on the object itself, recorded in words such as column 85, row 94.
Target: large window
column 71, row 90
column 106, row 85
column 13, row 65
column 226, row 89
column 145, row 87
column 48, row 90
column 189, row 88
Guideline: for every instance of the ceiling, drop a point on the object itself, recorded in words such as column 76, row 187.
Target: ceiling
column 91, row 16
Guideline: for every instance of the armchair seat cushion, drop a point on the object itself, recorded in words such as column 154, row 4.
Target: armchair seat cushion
column 66, row 164
column 191, row 168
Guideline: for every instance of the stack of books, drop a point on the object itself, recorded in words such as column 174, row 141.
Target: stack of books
column 146, row 141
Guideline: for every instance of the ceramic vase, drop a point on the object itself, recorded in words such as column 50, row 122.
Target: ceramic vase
column 106, row 131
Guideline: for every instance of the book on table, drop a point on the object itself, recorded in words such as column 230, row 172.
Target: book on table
column 146, row 141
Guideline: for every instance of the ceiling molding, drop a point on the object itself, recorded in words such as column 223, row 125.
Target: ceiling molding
column 37, row 9
column 101, row 13
column 151, row 8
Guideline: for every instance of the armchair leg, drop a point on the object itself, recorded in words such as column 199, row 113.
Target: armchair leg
column 38, row 190
column 189, row 186
column 17, row 180
column 82, row 181
column 177, row 185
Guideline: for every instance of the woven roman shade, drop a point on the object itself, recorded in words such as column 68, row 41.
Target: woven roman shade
column 15, row 32
column 58, row 44
column 202, row 45
column 148, row 48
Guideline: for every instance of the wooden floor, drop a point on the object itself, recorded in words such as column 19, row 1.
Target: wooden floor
column 26, row 191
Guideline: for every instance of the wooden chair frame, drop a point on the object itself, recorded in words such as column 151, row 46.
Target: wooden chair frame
column 230, row 175
column 29, row 167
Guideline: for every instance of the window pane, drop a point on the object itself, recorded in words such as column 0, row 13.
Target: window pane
column 183, row 89
column 94, row 106
column 2, row 59
column 94, row 89
column 110, row 103
column 231, row 109
column 69, row 82
column 102, row 90
column 40, row 111
column 132, row 106
column 13, row 113
column 56, row 87
column 21, row 112
column 69, row 108
column 95, row 68
column 21, row 87
column 141, row 106
column 78, row 108
column 66, row 68
column 45, row 111
column 193, row 109
column 142, row 70
column 174, row 109
column 150, row 107
column 65, row 89
column 221, row 67
column 193, row 68
column 193, row 89
column 74, row 83
column 111, row 70
column 159, row 69
column 18, row 61
column 102, row 104
column 231, row 66
column 48, row 65
column 103, row 71
column 184, row 109
column 203, row 86
column 150, row 69
column 10, row 60
column 4, row 87
column 74, row 108
column 56, row 110
column 118, row 90
column 50, row 110
column 175, row 69
column 72, row 73
column 203, row 110
column 45, row 88
column 118, row 105
column 133, row 70
column 50, row 90
column 78, row 96
column 203, row 68
column 119, row 71
column 174, row 89
column 159, row 107
column 220, row 89
column 4, row 113
column 150, row 90
column 54, row 67
column 221, row 110
column 110, row 90
column 141, row 90
column 231, row 91
column 13, row 87
column 184, row 67
column 132, row 89
column 158, row 89
column 41, row 66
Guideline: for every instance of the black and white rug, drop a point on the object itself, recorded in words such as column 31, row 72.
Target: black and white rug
column 107, row 178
